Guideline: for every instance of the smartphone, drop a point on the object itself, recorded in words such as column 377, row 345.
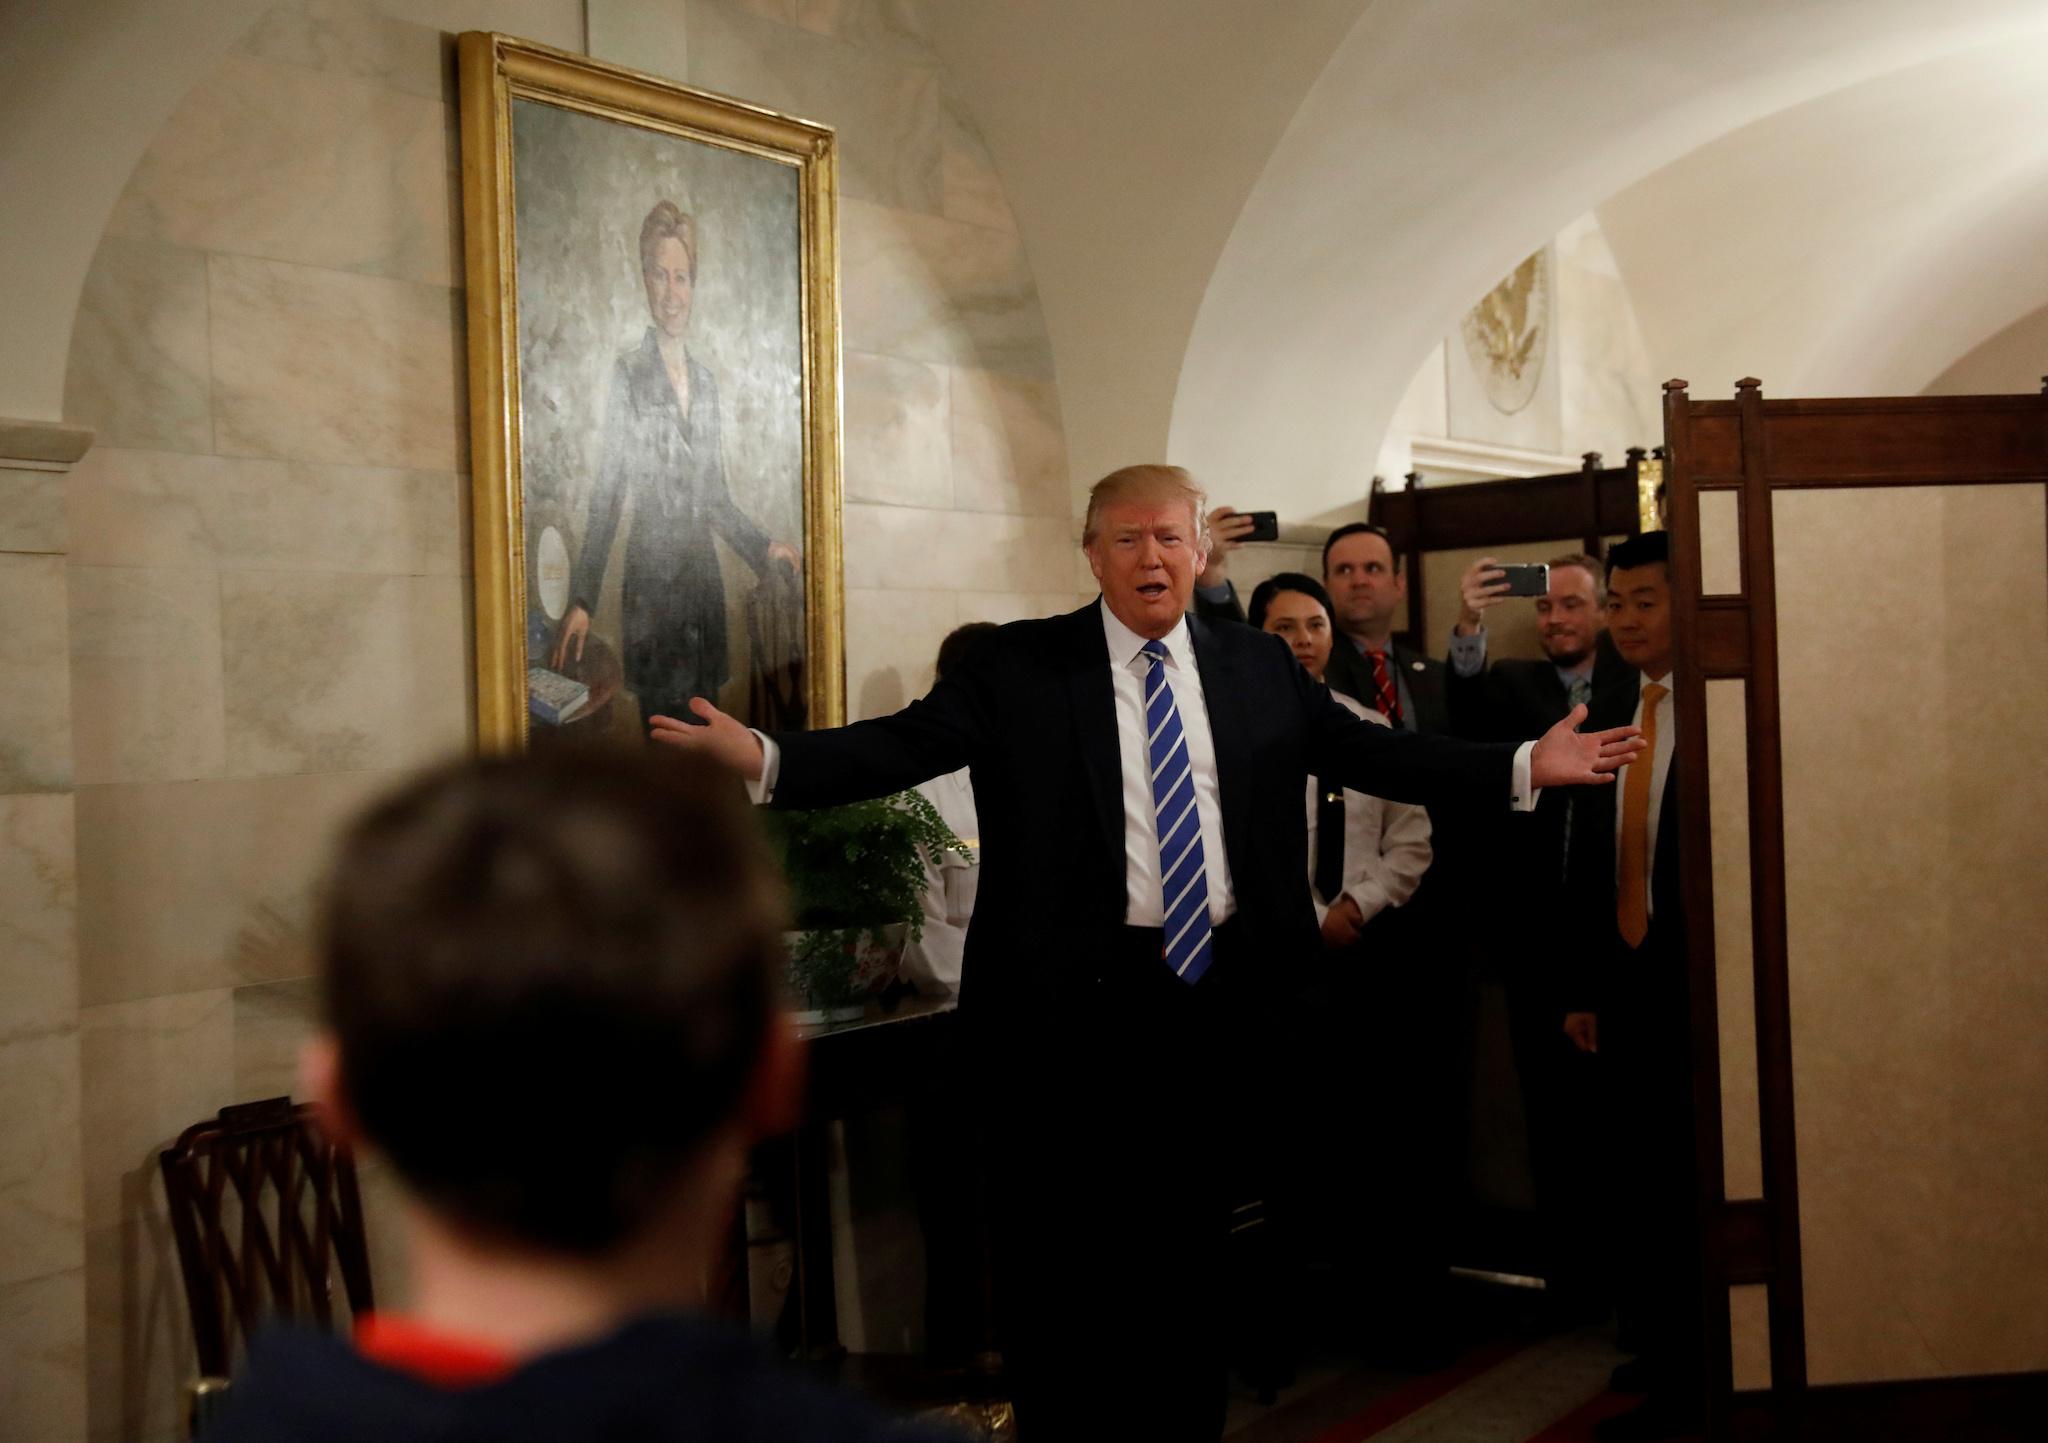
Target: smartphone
column 1527, row 580
column 1266, row 527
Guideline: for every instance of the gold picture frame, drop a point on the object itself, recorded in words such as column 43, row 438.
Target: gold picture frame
column 601, row 150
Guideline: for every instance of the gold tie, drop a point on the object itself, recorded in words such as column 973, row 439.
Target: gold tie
column 1632, row 898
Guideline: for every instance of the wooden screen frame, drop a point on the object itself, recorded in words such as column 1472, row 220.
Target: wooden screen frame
column 1753, row 448
column 1590, row 503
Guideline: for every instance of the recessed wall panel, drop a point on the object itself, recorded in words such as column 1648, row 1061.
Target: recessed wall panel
column 1749, row 1336
column 1913, row 648
column 1720, row 543
column 1734, row 973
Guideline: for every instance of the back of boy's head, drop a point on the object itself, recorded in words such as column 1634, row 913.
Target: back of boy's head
column 549, row 978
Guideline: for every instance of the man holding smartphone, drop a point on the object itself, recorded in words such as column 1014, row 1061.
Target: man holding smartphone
column 1579, row 664
column 1216, row 597
column 1571, row 629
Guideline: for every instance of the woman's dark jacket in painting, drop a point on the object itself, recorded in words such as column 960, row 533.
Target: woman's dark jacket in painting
column 672, row 602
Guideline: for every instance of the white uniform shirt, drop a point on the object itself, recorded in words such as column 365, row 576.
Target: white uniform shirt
column 933, row 962
column 1386, row 844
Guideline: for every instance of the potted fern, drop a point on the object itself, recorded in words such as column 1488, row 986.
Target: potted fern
column 856, row 876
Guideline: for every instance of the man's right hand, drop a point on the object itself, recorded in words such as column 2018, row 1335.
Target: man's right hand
column 721, row 738
column 1227, row 529
column 569, row 641
column 1583, row 1028
column 1483, row 585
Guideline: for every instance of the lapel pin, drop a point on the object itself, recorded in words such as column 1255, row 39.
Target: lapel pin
column 1415, row 666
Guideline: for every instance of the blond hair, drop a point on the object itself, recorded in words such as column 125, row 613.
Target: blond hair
column 1148, row 482
column 1588, row 564
column 666, row 220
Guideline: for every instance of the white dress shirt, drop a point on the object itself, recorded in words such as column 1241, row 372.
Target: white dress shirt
column 1386, row 844
column 1143, row 905
column 1660, row 768
column 933, row 961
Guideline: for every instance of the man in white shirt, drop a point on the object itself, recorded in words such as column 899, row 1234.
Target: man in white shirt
column 1626, row 1002
column 1142, row 895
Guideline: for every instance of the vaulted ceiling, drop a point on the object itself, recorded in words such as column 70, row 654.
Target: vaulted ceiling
column 1836, row 195
column 1249, row 222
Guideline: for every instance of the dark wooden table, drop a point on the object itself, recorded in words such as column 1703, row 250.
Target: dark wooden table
column 854, row 1067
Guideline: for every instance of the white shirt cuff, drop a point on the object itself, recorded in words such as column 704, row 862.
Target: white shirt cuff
column 761, row 792
column 1523, row 795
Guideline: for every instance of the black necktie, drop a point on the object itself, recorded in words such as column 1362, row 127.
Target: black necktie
column 1329, row 841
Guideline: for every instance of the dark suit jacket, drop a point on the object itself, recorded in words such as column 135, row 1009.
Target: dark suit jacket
column 660, row 1379
column 1034, row 716
column 1351, row 674
column 1228, row 609
column 1516, row 700
column 672, row 597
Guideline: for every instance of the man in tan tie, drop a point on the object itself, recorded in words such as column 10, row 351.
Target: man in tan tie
column 1626, row 1002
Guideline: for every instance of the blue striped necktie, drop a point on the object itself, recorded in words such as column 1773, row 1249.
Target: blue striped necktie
column 1183, row 880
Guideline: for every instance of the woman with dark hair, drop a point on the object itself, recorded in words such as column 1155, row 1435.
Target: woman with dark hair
column 1365, row 854
column 662, row 444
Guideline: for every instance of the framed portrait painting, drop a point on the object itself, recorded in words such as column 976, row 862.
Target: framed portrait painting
column 654, row 404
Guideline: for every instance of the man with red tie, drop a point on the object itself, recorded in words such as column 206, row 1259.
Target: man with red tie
column 1626, row 1001
column 1369, row 590
column 1138, row 778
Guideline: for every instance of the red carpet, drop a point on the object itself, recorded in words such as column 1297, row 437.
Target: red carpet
column 1577, row 1426
column 1417, row 1395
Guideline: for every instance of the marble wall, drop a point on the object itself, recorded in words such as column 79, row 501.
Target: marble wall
column 42, row 1223
column 957, row 502
column 262, row 614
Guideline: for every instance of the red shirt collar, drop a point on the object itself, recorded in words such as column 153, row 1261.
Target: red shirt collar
column 443, row 1359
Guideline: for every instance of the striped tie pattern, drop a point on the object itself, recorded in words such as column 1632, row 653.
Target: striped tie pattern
column 1183, row 878
column 1386, row 697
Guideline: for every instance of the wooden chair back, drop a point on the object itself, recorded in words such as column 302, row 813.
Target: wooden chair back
column 265, row 1211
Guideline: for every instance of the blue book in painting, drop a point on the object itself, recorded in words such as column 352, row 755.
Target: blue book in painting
column 552, row 697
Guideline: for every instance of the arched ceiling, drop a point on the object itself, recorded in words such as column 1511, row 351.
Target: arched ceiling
column 1857, row 244
column 1127, row 136
column 1250, row 222
column 1440, row 141
column 2014, row 360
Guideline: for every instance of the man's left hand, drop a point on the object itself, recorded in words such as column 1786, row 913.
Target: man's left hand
column 1565, row 757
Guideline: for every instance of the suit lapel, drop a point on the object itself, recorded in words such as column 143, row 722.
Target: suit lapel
column 1093, row 701
column 1348, row 672
column 1425, row 689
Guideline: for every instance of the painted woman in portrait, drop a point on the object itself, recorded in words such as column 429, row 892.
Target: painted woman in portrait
column 662, row 448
